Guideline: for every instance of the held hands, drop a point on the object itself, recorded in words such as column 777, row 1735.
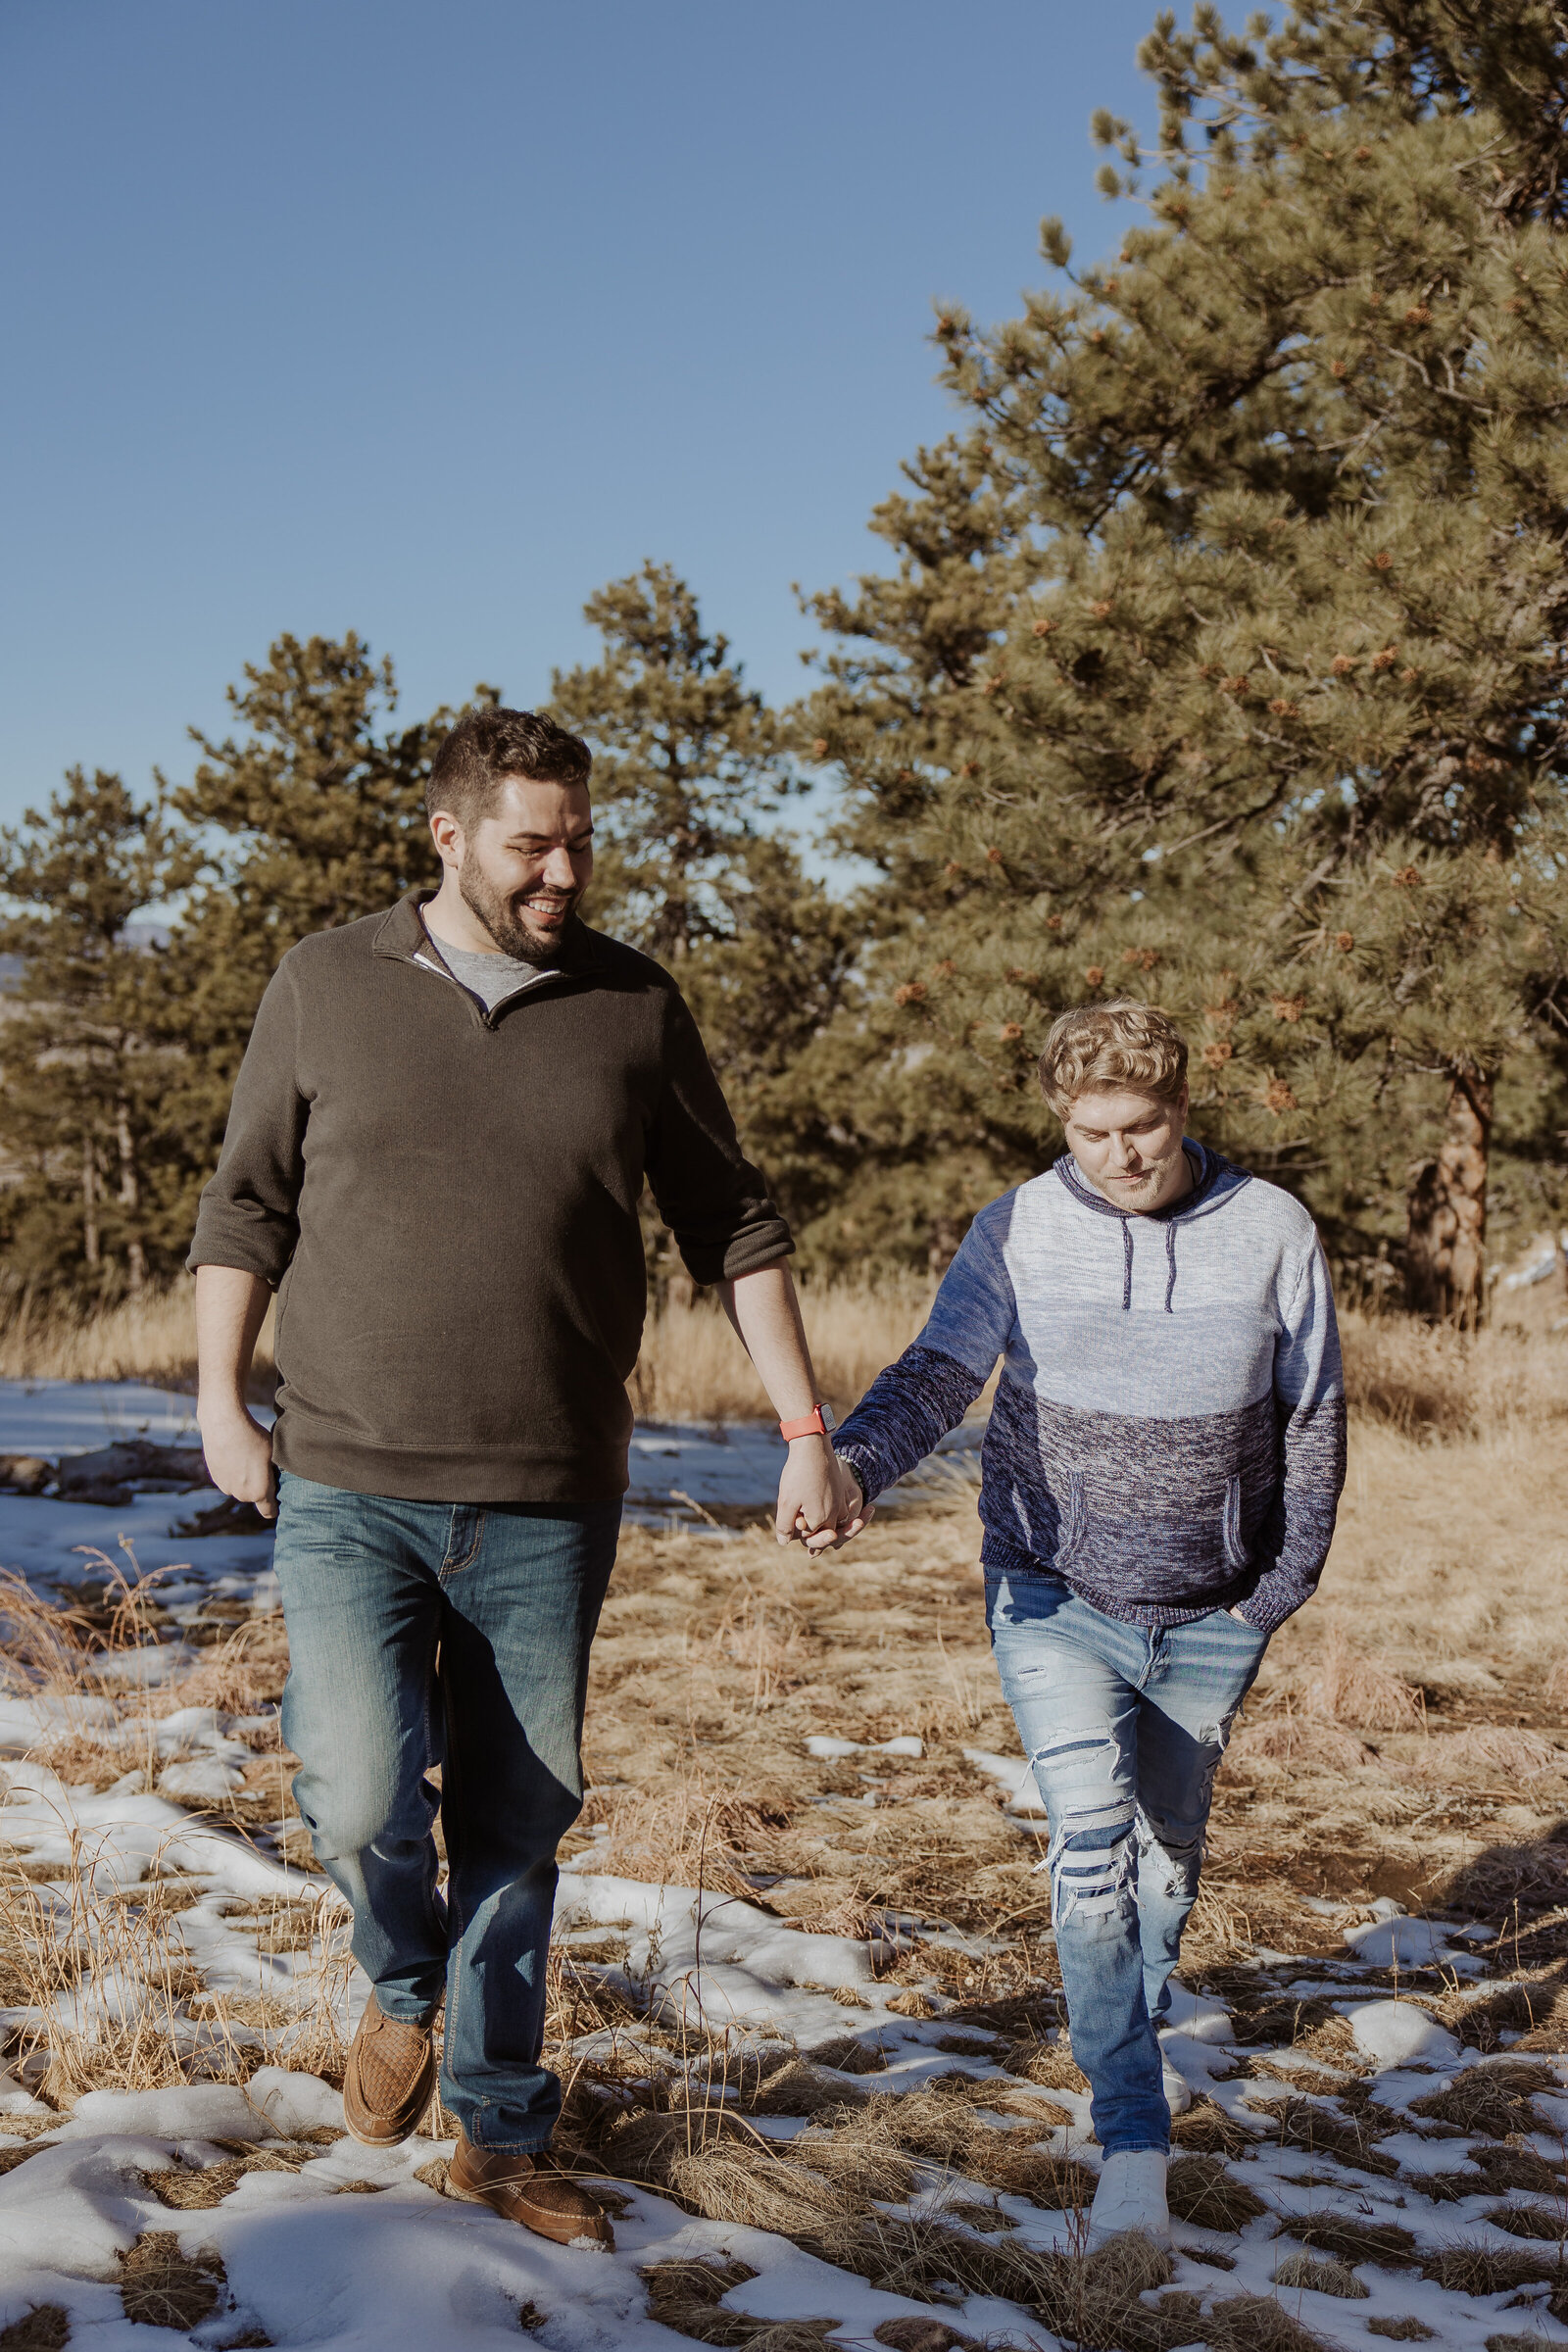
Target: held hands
column 819, row 1501
column 239, row 1455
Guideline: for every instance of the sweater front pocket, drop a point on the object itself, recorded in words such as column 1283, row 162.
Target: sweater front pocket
column 1236, row 1552
column 1072, row 1527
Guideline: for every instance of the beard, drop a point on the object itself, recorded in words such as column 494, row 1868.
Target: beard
column 506, row 920
column 1138, row 1187
column 1143, row 1190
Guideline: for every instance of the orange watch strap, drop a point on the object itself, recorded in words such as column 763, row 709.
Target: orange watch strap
column 814, row 1425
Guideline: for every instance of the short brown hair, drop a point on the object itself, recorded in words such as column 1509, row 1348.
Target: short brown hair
column 487, row 746
column 1120, row 1044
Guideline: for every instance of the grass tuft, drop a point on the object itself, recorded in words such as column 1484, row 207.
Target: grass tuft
column 160, row 2286
column 1496, row 2098
column 1205, row 2192
column 687, row 2297
column 46, row 2328
column 1258, row 2324
column 1352, row 2239
column 1545, row 2224
column 1324, row 2277
column 1348, row 1687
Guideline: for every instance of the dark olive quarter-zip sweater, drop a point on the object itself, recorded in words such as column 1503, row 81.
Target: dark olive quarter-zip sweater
column 447, row 1197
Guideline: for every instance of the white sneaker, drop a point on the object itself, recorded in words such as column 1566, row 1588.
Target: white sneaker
column 1131, row 2195
column 1178, row 2091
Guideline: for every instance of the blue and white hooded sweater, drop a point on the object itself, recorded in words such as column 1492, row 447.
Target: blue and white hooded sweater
column 1168, row 1434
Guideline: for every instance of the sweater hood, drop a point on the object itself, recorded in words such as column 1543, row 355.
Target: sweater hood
column 1218, row 1181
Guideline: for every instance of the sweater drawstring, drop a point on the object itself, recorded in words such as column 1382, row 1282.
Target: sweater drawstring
column 1170, row 1264
column 1126, row 1267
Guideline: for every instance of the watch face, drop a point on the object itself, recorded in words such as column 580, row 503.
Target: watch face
column 828, row 1422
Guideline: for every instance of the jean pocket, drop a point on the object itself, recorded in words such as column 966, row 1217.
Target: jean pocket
column 1017, row 1596
column 1238, row 1629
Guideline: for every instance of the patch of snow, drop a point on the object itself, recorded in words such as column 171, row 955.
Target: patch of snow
column 52, row 1543
column 144, row 1669
column 1012, row 1774
column 55, row 1417
column 718, row 1961
column 827, row 1749
column 1197, row 2016
column 1540, row 1268
column 1395, row 2033
column 27, row 1723
column 74, row 2210
column 681, row 1468
column 295, row 2103
column 17, row 2099
column 118, row 1837
column 201, row 1781
column 1411, row 1942
column 202, row 2110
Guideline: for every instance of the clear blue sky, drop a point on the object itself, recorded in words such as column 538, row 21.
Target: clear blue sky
column 425, row 319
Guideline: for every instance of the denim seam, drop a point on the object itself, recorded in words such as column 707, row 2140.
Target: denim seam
column 483, row 2106
column 452, row 1567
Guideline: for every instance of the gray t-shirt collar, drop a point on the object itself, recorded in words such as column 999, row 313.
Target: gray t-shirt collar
column 490, row 978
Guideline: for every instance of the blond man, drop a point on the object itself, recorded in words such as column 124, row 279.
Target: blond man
column 1159, row 1482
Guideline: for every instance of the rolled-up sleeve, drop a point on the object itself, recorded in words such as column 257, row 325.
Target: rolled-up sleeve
column 249, row 1212
column 713, row 1201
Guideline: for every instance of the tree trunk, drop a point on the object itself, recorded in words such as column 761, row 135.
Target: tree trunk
column 129, row 1198
column 1447, row 1251
column 89, row 1203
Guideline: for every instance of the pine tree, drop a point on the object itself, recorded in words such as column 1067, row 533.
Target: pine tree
column 686, row 760
column 86, row 1088
column 313, row 816
column 690, row 780
column 1277, row 611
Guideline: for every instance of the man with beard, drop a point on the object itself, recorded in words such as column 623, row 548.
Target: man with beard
column 435, row 1153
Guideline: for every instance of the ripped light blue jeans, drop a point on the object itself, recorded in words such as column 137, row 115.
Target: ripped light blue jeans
column 450, row 1633
column 1125, row 1726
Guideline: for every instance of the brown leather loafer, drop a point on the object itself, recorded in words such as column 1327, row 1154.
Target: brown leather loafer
column 532, row 2189
column 390, row 2079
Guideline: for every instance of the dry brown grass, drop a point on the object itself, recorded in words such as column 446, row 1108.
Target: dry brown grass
column 116, row 2000
column 1349, row 2240
column 690, row 1368
column 1258, row 2324
column 1401, row 1374
column 1205, row 2192
column 1427, row 1382
column 1323, row 2277
column 152, row 1337
column 1404, row 1738
column 1348, row 1687
column 687, row 2298
column 161, row 2287
column 46, row 2328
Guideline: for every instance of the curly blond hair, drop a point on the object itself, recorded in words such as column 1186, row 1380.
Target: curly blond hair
column 1119, row 1043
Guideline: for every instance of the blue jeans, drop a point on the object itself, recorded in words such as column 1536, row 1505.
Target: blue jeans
column 458, row 1635
column 1124, row 1726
